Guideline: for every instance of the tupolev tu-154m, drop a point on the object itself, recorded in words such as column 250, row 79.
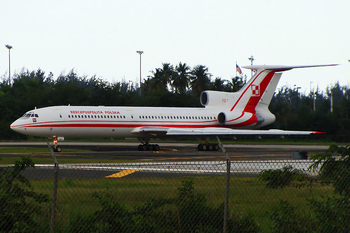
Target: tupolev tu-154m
column 223, row 114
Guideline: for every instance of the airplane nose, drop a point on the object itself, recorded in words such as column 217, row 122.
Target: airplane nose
column 14, row 126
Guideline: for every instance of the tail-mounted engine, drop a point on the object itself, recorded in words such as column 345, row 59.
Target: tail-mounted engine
column 243, row 119
column 217, row 99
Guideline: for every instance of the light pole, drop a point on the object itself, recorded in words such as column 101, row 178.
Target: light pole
column 312, row 97
column 251, row 58
column 297, row 88
column 9, row 48
column 140, row 52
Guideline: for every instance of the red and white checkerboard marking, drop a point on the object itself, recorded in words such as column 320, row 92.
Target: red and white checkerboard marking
column 255, row 90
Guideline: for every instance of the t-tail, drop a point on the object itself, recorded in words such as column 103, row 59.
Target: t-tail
column 248, row 108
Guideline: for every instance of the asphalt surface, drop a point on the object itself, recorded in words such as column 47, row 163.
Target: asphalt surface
column 170, row 152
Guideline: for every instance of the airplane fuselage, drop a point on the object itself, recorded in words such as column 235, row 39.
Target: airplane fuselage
column 100, row 121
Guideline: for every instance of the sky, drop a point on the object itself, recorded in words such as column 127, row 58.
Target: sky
column 101, row 37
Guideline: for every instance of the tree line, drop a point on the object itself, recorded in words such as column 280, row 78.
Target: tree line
column 168, row 86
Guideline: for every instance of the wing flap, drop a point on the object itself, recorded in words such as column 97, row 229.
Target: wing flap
column 166, row 131
column 233, row 132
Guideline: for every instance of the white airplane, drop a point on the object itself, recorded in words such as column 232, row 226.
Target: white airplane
column 223, row 114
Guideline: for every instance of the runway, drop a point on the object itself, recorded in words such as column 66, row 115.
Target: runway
column 177, row 159
column 174, row 151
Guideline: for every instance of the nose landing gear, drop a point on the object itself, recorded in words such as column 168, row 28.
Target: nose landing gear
column 55, row 146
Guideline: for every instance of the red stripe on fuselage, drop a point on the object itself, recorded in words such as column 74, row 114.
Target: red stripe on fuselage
column 249, row 122
column 116, row 125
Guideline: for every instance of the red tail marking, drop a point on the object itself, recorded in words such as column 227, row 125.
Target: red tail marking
column 254, row 99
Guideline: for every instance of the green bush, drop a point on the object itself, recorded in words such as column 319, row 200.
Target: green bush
column 20, row 204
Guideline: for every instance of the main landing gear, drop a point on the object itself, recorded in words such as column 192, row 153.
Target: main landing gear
column 145, row 146
column 148, row 147
column 208, row 147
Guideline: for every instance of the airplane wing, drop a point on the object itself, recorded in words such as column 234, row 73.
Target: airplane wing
column 167, row 131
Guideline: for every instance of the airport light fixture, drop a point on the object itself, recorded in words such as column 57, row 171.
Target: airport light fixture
column 297, row 88
column 140, row 52
column 312, row 93
column 9, row 48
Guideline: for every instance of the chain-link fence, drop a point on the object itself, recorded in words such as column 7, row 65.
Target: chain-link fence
column 263, row 196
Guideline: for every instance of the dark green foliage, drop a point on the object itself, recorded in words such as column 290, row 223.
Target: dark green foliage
column 20, row 204
column 334, row 168
column 332, row 214
column 285, row 218
column 328, row 215
column 187, row 212
column 281, row 178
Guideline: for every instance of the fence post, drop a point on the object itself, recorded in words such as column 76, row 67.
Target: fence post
column 54, row 197
column 227, row 186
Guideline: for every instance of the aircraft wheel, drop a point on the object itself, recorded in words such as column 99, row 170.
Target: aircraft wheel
column 210, row 147
column 200, row 147
column 216, row 147
column 204, row 147
column 57, row 149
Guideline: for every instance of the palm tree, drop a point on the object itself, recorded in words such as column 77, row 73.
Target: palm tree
column 237, row 83
column 200, row 80
column 158, row 81
column 181, row 78
column 168, row 72
column 162, row 77
column 218, row 84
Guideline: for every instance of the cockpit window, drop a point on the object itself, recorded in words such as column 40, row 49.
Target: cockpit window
column 27, row 115
column 30, row 114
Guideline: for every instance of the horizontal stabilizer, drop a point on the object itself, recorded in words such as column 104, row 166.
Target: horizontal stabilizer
column 282, row 67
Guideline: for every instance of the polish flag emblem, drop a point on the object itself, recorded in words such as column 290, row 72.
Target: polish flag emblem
column 34, row 119
column 255, row 90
